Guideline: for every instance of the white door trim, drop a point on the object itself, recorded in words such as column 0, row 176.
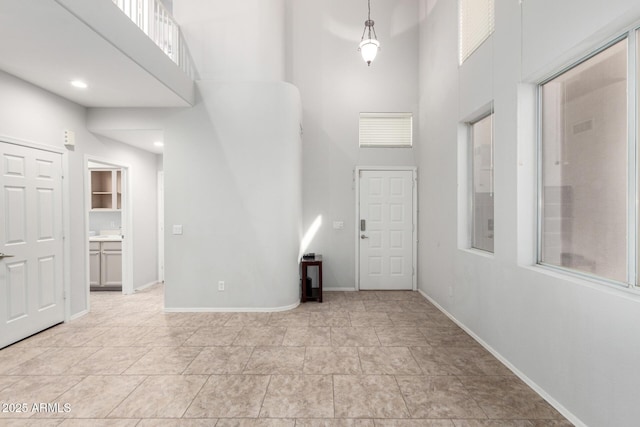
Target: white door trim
column 414, row 171
column 161, row 226
column 127, row 222
column 66, row 218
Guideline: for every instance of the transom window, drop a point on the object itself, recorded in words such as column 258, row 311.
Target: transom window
column 389, row 130
column 476, row 22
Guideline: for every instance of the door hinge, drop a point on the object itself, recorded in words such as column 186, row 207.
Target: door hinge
column 413, row 271
column 64, row 295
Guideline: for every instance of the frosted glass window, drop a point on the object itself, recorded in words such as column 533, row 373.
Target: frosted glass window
column 584, row 166
column 482, row 197
column 476, row 22
column 386, row 130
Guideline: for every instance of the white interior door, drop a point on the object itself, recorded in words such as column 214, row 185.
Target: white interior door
column 31, row 285
column 386, row 229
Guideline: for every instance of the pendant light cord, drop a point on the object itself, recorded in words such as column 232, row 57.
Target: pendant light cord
column 366, row 24
column 369, row 15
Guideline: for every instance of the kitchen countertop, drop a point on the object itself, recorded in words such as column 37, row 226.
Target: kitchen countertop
column 108, row 238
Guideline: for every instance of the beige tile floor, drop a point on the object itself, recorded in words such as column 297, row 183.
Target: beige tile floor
column 359, row 359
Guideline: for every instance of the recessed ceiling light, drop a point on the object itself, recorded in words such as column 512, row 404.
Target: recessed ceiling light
column 159, row 144
column 79, row 84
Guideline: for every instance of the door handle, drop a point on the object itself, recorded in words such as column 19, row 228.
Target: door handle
column 5, row 256
column 362, row 236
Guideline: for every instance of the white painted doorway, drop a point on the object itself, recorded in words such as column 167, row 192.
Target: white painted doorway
column 386, row 228
column 125, row 258
column 31, row 267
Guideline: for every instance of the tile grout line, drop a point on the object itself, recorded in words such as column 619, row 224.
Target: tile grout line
column 192, row 360
column 195, row 396
column 266, row 391
column 244, row 368
column 395, row 378
column 117, row 405
column 333, row 389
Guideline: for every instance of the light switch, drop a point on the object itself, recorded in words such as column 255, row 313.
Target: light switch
column 338, row 225
column 177, row 229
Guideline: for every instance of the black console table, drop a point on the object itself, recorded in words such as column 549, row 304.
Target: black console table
column 316, row 293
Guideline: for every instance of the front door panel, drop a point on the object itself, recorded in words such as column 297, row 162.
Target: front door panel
column 386, row 230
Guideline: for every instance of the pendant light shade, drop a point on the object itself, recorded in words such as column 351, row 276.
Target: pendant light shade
column 369, row 47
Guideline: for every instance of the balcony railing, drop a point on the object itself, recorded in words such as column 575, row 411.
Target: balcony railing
column 155, row 20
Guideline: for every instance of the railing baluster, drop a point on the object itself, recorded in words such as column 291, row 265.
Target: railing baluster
column 154, row 19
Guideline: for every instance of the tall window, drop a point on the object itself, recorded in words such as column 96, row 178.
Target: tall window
column 476, row 22
column 482, row 186
column 584, row 188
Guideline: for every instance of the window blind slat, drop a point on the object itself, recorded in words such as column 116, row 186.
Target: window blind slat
column 476, row 23
column 386, row 129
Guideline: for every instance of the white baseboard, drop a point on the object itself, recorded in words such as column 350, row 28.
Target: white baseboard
column 326, row 289
column 148, row 285
column 230, row 309
column 559, row 407
column 78, row 315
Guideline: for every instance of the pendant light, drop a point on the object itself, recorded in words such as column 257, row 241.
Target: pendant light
column 369, row 46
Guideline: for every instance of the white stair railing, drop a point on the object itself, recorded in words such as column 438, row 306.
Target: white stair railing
column 152, row 17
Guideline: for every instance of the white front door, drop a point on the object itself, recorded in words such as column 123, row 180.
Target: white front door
column 386, row 229
column 31, row 285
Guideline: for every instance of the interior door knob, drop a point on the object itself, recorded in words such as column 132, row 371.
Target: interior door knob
column 362, row 236
column 5, row 256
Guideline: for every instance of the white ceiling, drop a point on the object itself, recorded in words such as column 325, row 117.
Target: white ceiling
column 143, row 138
column 48, row 46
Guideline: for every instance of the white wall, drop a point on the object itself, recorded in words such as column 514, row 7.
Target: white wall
column 575, row 341
column 232, row 180
column 234, row 41
column 104, row 221
column 232, row 164
column 32, row 114
column 336, row 85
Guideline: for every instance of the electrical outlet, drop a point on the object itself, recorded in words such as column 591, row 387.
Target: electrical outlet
column 221, row 285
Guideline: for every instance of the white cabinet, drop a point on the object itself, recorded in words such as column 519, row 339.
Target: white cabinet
column 94, row 264
column 106, row 189
column 105, row 265
column 111, row 264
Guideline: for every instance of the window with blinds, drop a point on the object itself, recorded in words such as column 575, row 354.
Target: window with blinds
column 386, row 130
column 476, row 22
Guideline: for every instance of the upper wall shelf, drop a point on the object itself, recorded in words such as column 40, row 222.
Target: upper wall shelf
column 106, row 189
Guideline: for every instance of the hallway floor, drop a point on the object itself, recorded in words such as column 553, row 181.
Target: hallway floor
column 358, row 359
